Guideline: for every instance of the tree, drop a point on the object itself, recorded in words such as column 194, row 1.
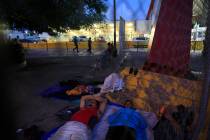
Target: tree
column 52, row 15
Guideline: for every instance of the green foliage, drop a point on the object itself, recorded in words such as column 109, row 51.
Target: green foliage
column 52, row 15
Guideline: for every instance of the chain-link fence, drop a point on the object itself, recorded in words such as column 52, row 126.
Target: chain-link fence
column 135, row 13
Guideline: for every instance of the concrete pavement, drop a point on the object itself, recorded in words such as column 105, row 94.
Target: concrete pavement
column 45, row 69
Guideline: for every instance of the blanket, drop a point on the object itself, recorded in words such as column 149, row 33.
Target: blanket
column 149, row 91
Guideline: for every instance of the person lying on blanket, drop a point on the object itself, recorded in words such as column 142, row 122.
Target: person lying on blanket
column 83, row 89
column 82, row 122
column 131, row 124
column 77, row 90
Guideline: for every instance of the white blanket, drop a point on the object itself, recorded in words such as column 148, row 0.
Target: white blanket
column 112, row 83
column 72, row 130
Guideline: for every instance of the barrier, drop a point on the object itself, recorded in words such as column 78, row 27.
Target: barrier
column 195, row 45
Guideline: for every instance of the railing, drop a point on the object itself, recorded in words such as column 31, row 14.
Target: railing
column 195, row 45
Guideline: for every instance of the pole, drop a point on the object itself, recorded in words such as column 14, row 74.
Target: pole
column 114, row 23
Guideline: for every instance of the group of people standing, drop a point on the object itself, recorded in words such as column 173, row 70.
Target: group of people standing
column 75, row 40
column 111, row 50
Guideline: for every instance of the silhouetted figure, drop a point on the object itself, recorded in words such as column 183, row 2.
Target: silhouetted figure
column 89, row 45
column 75, row 43
column 105, row 57
column 114, row 50
column 109, row 49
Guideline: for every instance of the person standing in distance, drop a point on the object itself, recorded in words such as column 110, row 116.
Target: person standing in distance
column 75, row 44
column 89, row 45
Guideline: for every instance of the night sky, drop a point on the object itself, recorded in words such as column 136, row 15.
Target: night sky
column 128, row 9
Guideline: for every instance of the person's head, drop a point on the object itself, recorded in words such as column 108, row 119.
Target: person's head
column 121, row 133
column 109, row 44
column 128, row 103
column 89, row 38
column 92, row 103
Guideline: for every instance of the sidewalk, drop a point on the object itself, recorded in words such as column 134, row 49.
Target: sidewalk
column 61, row 51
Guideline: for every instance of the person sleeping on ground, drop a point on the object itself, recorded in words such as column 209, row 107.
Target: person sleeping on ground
column 80, row 89
column 82, row 122
column 131, row 124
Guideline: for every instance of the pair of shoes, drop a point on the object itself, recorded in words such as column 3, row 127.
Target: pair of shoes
column 133, row 70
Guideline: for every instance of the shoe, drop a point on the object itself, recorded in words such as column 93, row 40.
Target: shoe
column 135, row 72
column 131, row 70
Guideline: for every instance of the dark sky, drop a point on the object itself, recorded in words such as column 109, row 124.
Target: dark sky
column 128, row 9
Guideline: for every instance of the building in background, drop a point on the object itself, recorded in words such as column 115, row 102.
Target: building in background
column 198, row 33
column 106, row 30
